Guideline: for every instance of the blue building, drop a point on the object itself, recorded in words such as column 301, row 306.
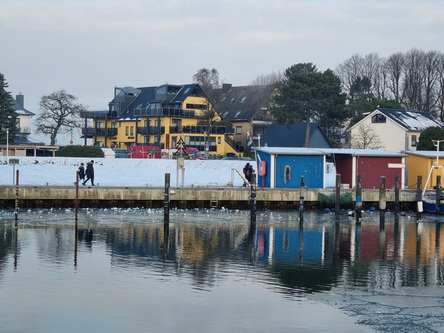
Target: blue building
column 282, row 167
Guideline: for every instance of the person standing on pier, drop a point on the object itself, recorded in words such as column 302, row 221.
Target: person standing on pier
column 82, row 172
column 89, row 173
column 248, row 171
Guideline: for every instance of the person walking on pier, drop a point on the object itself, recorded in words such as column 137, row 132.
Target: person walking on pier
column 89, row 173
column 82, row 172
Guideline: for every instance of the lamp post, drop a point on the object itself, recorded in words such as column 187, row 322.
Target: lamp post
column 7, row 137
column 7, row 141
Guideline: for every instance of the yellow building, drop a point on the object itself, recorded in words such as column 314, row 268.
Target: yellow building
column 419, row 163
column 160, row 116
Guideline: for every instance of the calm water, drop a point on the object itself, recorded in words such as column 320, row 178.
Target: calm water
column 209, row 271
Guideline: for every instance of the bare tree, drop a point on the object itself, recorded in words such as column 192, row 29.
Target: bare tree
column 266, row 79
column 366, row 138
column 349, row 71
column 431, row 75
column 439, row 91
column 394, row 66
column 207, row 78
column 59, row 114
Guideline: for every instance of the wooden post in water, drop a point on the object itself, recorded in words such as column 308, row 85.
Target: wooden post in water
column 358, row 202
column 338, row 194
column 438, row 195
column 419, row 207
column 382, row 200
column 301, row 200
column 16, row 197
column 77, row 198
column 253, row 199
column 166, row 200
column 397, row 192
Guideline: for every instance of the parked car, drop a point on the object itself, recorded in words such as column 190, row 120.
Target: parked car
column 189, row 153
column 238, row 158
column 144, row 152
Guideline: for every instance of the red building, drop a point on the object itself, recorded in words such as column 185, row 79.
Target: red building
column 370, row 164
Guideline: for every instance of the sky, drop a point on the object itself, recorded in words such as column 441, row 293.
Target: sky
column 87, row 47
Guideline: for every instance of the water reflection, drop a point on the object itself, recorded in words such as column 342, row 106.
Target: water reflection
column 294, row 261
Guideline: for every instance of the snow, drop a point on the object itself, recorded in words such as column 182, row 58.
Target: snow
column 61, row 171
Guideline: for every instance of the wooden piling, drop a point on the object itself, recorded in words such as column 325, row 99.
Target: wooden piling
column 253, row 202
column 301, row 200
column 338, row 194
column 76, row 217
column 382, row 199
column 16, row 197
column 397, row 194
column 419, row 205
column 166, row 200
column 438, row 195
column 358, row 202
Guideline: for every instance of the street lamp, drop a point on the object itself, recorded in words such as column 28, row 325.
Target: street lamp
column 7, row 137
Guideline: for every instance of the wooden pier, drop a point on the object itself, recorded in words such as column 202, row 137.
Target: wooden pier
column 193, row 197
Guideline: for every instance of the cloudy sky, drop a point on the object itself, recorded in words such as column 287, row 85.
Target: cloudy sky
column 89, row 46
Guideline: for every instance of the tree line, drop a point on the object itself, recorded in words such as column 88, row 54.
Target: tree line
column 411, row 80
column 414, row 79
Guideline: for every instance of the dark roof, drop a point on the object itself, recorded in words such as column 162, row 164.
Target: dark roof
column 164, row 95
column 19, row 108
column 411, row 120
column 243, row 103
column 292, row 135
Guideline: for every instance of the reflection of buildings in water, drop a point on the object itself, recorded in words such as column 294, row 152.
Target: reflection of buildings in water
column 377, row 255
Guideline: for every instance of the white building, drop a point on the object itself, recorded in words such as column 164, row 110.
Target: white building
column 393, row 129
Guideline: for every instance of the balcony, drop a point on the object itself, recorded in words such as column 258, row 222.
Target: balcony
column 201, row 129
column 91, row 131
column 98, row 114
column 151, row 130
column 24, row 130
column 166, row 112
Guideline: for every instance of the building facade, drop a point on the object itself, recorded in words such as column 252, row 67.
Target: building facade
column 160, row 116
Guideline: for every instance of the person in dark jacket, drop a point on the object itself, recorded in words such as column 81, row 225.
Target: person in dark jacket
column 248, row 171
column 89, row 173
column 82, row 172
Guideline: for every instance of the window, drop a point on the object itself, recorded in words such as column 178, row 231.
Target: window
column 114, row 125
column 238, row 129
column 126, row 130
column 218, row 140
column 414, row 140
column 99, row 124
column 237, row 113
column 132, row 130
column 378, row 118
column 243, row 99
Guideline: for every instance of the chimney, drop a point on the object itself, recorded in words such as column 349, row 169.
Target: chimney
column 20, row 100
column 226, row 87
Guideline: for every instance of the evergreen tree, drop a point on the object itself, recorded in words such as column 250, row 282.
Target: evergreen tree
column 7, row 113
column 309, row 95
column 427, row 138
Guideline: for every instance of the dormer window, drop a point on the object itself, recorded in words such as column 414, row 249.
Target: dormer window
column 378, row 118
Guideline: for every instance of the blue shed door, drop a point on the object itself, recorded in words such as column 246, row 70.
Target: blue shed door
column 290, row 168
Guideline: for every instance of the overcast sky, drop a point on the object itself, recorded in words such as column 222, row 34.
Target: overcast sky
column 89, row 46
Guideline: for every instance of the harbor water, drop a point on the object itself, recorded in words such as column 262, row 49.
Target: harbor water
column 124, row 270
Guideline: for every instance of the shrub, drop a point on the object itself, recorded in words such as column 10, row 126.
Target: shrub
column 80, row 151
